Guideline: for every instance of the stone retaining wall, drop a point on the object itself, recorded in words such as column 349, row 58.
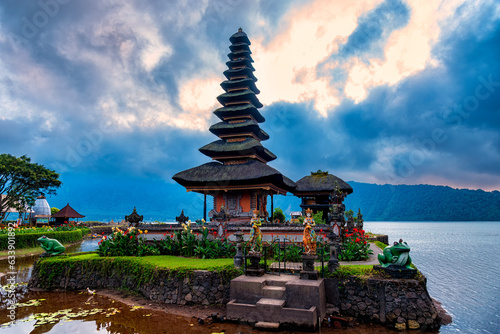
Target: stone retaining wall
column 199, row 287
column 399, row 303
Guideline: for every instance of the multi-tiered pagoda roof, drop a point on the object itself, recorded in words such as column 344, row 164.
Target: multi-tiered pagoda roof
column 240, row 159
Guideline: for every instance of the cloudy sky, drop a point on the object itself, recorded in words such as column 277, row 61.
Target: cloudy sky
column 399, row 92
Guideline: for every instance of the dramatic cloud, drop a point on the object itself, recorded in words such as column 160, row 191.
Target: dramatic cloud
column 374, row 91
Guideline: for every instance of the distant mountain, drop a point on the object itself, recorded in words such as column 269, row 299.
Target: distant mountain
column 423, row 203
column 112, row 197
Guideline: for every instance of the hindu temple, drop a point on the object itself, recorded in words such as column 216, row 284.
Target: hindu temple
column 239, row 177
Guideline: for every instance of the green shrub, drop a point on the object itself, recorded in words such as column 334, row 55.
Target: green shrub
column 27, row 240
column 318, row 218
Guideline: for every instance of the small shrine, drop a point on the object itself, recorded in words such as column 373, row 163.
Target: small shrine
column 134, row 219
column 65, row 214
column 238, row 178
column 323, row 192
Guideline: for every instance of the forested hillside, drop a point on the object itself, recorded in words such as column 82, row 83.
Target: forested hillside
column 422, row 203
column 113, row 198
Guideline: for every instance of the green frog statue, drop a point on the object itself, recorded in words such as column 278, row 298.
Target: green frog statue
column 396, row 255
column 51, row 246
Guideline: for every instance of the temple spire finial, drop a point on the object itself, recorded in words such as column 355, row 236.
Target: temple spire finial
column 240, row 30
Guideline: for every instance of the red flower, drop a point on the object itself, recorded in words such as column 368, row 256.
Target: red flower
column 364, row 242
column 362, row 231
column 102, row 233
column 172, row 236
column 355, row 230
column 358, row 239
column 164, row 234
column 321, row 230
column 131, row 236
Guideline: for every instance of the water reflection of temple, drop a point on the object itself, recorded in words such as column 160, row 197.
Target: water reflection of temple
column 239, row 177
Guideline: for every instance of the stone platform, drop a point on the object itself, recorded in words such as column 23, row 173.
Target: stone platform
column 272, row 300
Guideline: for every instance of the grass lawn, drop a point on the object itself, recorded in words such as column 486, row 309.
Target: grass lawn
column 165, row 261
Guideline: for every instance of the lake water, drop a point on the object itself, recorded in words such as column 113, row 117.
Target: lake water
column 458, row 259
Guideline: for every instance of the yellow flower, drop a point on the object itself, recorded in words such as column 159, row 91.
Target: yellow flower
column 146, row 231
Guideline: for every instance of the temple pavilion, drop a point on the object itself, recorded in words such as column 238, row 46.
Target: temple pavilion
column 238, row 178
column 322, row 191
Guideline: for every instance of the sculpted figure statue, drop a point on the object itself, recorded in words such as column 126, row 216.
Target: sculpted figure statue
column 396, row 255
column 255, row 234
column 51, row 246
column 309, row 236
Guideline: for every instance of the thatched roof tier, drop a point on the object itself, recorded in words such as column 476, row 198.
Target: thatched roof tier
column 239, row 111
column 240, row 95
column 239, row 74
column 239, row 37
column 240, row 128
column 246, row 82
column 250, row 175
column 67, row 212
column 250, row 147
column 240, row 63
column 321, row 182
column 239, row 47
column 242, row 54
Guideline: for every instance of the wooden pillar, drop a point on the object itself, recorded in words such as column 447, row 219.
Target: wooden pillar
column 205, row 207
column 272, row 207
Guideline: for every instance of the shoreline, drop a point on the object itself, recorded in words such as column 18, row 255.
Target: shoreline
column 188, row 311
column 34, row 251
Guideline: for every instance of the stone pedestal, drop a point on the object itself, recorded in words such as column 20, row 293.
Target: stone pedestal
column 333, row 262
column 308, row 271
column 254, row 269
column 397, row 271
column 238, row 258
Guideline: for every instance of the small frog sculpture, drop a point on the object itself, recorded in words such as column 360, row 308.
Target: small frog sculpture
column 51, row 246
column 396, row 255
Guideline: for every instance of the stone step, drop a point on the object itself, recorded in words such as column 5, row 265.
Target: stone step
column 271, row 302
column 242, row 312
column 276, row 292
column 301, row 317
column 280, row 280
column 267, row 325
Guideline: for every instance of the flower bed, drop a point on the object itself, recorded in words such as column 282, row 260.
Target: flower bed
column 355, row 246
column 184, row 243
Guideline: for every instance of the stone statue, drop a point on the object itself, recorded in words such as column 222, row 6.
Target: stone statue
column 255, row 234
column 51, row 246
column 309, row 236
column 359, row 223
column 396, row 255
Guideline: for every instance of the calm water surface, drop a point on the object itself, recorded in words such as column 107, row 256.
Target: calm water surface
column 458, row 259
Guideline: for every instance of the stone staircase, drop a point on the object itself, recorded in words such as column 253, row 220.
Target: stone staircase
column 271, row 301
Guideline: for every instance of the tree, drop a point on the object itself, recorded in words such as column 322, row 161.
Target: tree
column 278, row 214
column 54, row 210
column 21, row 181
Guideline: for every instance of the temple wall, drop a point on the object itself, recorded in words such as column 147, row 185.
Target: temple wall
column 198, row 287
column 245, row 202
column 399, row 303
